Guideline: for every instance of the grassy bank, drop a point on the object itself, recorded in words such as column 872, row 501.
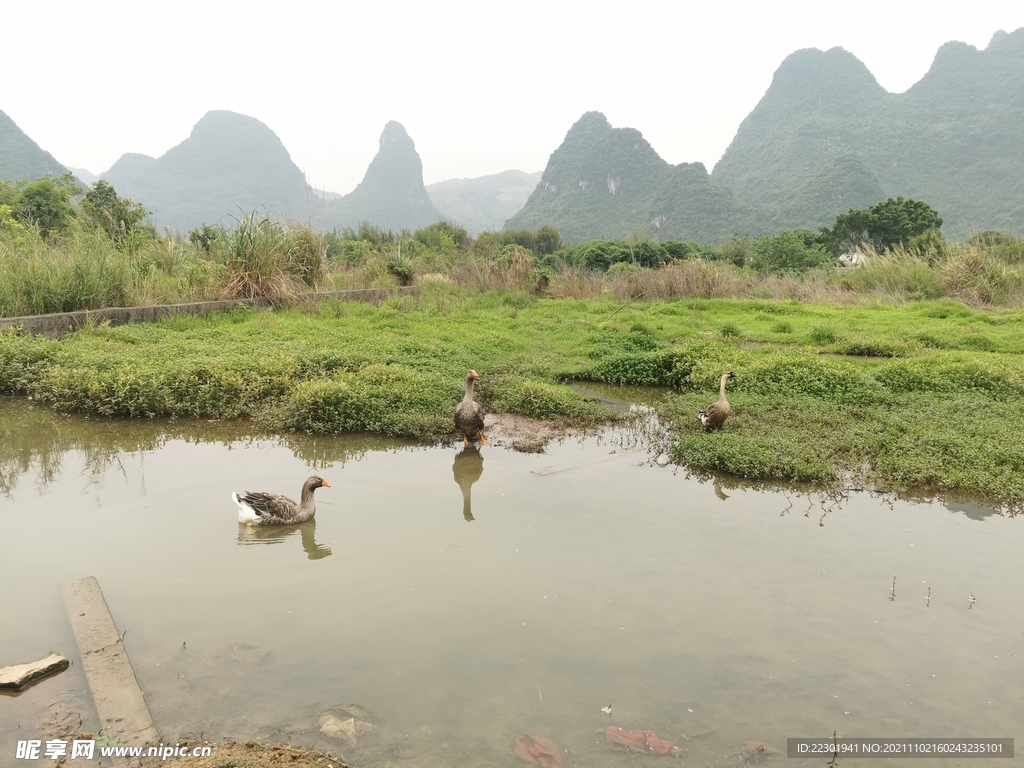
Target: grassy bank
column 926, row 394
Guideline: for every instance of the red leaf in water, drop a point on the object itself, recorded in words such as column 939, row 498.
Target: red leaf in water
column 644, row 742
column 536, row 749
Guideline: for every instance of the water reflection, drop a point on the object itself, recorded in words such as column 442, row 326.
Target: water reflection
column 274, row 534
column 467, row 468
column 36, row 441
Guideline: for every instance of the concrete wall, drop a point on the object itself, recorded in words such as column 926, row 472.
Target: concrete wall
column 56, row 325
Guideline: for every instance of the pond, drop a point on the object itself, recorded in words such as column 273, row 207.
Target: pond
column 707, row 611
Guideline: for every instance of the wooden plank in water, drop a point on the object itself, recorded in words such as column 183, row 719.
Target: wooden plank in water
column 115, row 690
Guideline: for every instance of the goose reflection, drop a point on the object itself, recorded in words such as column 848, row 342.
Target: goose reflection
column 468, row 467
column 277, row 533
column 719, row 492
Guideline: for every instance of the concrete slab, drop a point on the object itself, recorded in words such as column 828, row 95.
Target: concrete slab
column 115, row 690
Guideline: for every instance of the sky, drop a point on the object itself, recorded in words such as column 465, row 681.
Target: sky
column 480, row 87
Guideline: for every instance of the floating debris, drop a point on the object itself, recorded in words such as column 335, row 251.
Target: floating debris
column 607, row 710
column 348, row 730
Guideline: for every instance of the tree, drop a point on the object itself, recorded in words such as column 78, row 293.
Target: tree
column 46, row 203
column 883, row 225
column 118, row 216
column 547, row 240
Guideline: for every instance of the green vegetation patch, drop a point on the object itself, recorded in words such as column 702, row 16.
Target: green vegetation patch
column 874, row 401
column 963, row 442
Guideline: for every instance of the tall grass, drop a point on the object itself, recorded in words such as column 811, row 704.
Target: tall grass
column 82, row 271
column 260, row 257
column 265, row 259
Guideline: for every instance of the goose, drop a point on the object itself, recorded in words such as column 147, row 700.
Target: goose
column 274, row 509
column 714, row 416
column 469, row 416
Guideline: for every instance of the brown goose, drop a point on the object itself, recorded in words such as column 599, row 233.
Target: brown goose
column 714, row 416
column 469, row 416
column 274, row 509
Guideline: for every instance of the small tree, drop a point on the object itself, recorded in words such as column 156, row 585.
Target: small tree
column 46, row 203
column 205, row 236
column 794, row 250
column 119, row 217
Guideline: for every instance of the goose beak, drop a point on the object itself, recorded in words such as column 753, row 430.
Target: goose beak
column 474, row 375
column 325, row 484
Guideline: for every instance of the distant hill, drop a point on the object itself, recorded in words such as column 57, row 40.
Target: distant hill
column 229, row 165
column 954, row 139
column 20, row 157
column 609, row 182
column 84, row 175
column 391, row 193
column 123, row 173
column 484, row 203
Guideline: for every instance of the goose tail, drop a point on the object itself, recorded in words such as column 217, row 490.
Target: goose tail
column 246, row 514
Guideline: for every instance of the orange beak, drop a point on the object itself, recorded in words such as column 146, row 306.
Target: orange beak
column 325, row 484
column 474, row 375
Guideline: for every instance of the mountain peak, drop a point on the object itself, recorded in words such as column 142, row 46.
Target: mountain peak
column 229, row 162
column 394, row 132
column 822, row 78
column 605, row 181
column 391, row 193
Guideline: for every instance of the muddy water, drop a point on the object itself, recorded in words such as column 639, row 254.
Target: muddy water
column 568, row 581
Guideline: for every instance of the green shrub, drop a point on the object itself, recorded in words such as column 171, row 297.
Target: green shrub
column 824, row 334
column 792, row 251
column 539, row 400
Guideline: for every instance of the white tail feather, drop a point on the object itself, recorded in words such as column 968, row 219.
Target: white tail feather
column 246, row 514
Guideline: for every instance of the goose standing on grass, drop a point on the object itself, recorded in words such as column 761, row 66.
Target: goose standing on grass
column 714, row 416
column 274, row 509
column 469, row 416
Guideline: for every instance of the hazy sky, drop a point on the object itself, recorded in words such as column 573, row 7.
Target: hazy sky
column 481, row 87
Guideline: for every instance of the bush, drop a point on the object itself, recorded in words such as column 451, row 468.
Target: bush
column 1006, row 247
column 824, row 334
column 791, row 251
column 601, row 254
column 539, row 400
column 265, row 260
column 431, row 235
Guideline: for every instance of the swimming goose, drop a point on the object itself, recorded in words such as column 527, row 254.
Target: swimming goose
column 714, row 416
column 275, row 509
column 469, row 416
